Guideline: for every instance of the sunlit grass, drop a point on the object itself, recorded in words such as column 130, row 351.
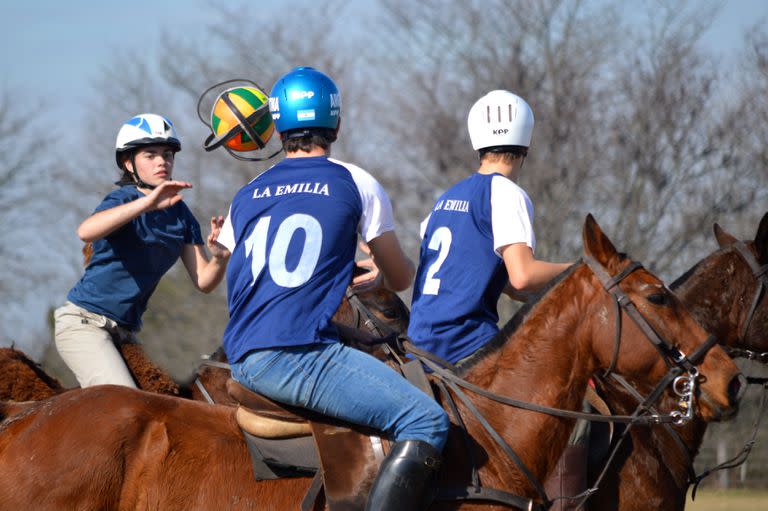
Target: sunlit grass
column 729, row 500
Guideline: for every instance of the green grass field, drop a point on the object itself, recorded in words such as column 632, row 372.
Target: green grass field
column 730, row 500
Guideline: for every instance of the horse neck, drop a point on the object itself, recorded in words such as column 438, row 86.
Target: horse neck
column 23, row 380
column 148, row 375
column 547, row 361
column 652, row 446
column 712, row 292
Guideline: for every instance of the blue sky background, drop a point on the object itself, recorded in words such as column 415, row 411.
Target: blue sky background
column 53, row 50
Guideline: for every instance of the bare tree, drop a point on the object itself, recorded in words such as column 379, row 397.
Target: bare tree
column 552, row 53
column 25, row 214
column 181, row 323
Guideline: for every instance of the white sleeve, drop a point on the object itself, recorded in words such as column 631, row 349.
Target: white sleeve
column 511, row 214
column 377, row 217
column 227, row 233
column 423, row 226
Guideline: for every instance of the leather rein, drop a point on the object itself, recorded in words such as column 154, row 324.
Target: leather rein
column 760, row 273
column 446, row 378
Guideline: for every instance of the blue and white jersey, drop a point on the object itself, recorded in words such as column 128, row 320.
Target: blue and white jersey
column 293, row 232
column 461, row 274
column 128, row 263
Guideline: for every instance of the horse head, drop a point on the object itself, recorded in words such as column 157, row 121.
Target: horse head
column 653, row 333
column 744, row 304
column 390, row 314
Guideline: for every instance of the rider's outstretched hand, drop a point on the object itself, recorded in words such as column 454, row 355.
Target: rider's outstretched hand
column 166, row 194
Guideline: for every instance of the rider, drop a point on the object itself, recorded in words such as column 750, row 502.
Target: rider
column 478, row 240
column 292, row 232
column 137, row 233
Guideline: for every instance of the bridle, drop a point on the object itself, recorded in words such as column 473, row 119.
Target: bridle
column 363, row 317
column 760, row 273
column 676, row 360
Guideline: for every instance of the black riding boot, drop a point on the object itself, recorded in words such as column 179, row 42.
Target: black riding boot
column 403, row 477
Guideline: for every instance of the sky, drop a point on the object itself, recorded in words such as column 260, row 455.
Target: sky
column 52, row 51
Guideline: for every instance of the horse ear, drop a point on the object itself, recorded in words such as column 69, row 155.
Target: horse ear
column 761, row 240
column 597, row 244
column 723, row 238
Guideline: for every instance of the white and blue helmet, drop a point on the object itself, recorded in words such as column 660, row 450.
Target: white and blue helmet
column 304, row 98
column 144, row 130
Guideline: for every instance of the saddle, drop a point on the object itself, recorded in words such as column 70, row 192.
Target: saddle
column 278, row 437
column 279, row 441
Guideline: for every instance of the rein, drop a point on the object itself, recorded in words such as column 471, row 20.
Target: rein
column 676, row 360
column 760, row 273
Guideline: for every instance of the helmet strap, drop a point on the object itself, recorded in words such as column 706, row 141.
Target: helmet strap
column 139, row 182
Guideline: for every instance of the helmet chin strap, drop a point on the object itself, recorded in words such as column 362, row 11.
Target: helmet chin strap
column 139, row 182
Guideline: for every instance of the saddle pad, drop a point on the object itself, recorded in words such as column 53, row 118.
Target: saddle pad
column 281, row 458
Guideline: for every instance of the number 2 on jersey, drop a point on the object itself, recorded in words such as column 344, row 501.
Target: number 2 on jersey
column 256, row 243
column 440, row 240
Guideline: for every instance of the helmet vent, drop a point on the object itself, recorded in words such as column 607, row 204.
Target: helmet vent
column 488, row 110
column 510, row 112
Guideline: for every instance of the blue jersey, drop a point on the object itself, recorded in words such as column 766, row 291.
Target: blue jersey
column 292, row 232
column 128, row 263
column 461, row 274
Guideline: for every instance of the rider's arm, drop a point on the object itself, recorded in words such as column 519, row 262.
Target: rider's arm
column 206, row 273
column 396, row 268
column 526, row 273
column 107, row 221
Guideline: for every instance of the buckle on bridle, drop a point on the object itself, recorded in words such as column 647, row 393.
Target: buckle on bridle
column 677, row 355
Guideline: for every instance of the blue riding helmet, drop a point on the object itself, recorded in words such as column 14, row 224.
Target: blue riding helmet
column 304, row 98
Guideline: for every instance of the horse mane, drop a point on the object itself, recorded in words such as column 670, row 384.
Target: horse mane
column 517, row 320
column 682, row 279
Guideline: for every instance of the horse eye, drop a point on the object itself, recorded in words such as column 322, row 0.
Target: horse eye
column 389, row 313
column 659, row 299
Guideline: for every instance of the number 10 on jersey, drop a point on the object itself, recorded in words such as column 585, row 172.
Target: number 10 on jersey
column 256, row 248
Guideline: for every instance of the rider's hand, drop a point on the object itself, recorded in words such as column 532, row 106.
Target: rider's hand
column 166, row 194
column 370, row 280
column 216, row 248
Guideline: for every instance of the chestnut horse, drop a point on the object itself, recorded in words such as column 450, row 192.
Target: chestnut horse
column 377, row 311
column 109, row 447
column 723, row 292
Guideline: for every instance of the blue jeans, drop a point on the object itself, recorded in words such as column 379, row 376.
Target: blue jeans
column 342, row 382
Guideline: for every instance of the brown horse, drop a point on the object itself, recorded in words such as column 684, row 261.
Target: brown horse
column 652, row 471
column 116, row 448
column 21, row 379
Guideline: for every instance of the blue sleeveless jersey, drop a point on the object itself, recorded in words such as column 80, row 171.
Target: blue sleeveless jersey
column 460, row 275
column 293, row 236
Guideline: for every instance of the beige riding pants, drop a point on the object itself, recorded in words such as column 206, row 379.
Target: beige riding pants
column 87, row 342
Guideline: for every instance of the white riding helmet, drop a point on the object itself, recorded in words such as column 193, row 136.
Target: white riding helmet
column 500, row 118
column 143, row 130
